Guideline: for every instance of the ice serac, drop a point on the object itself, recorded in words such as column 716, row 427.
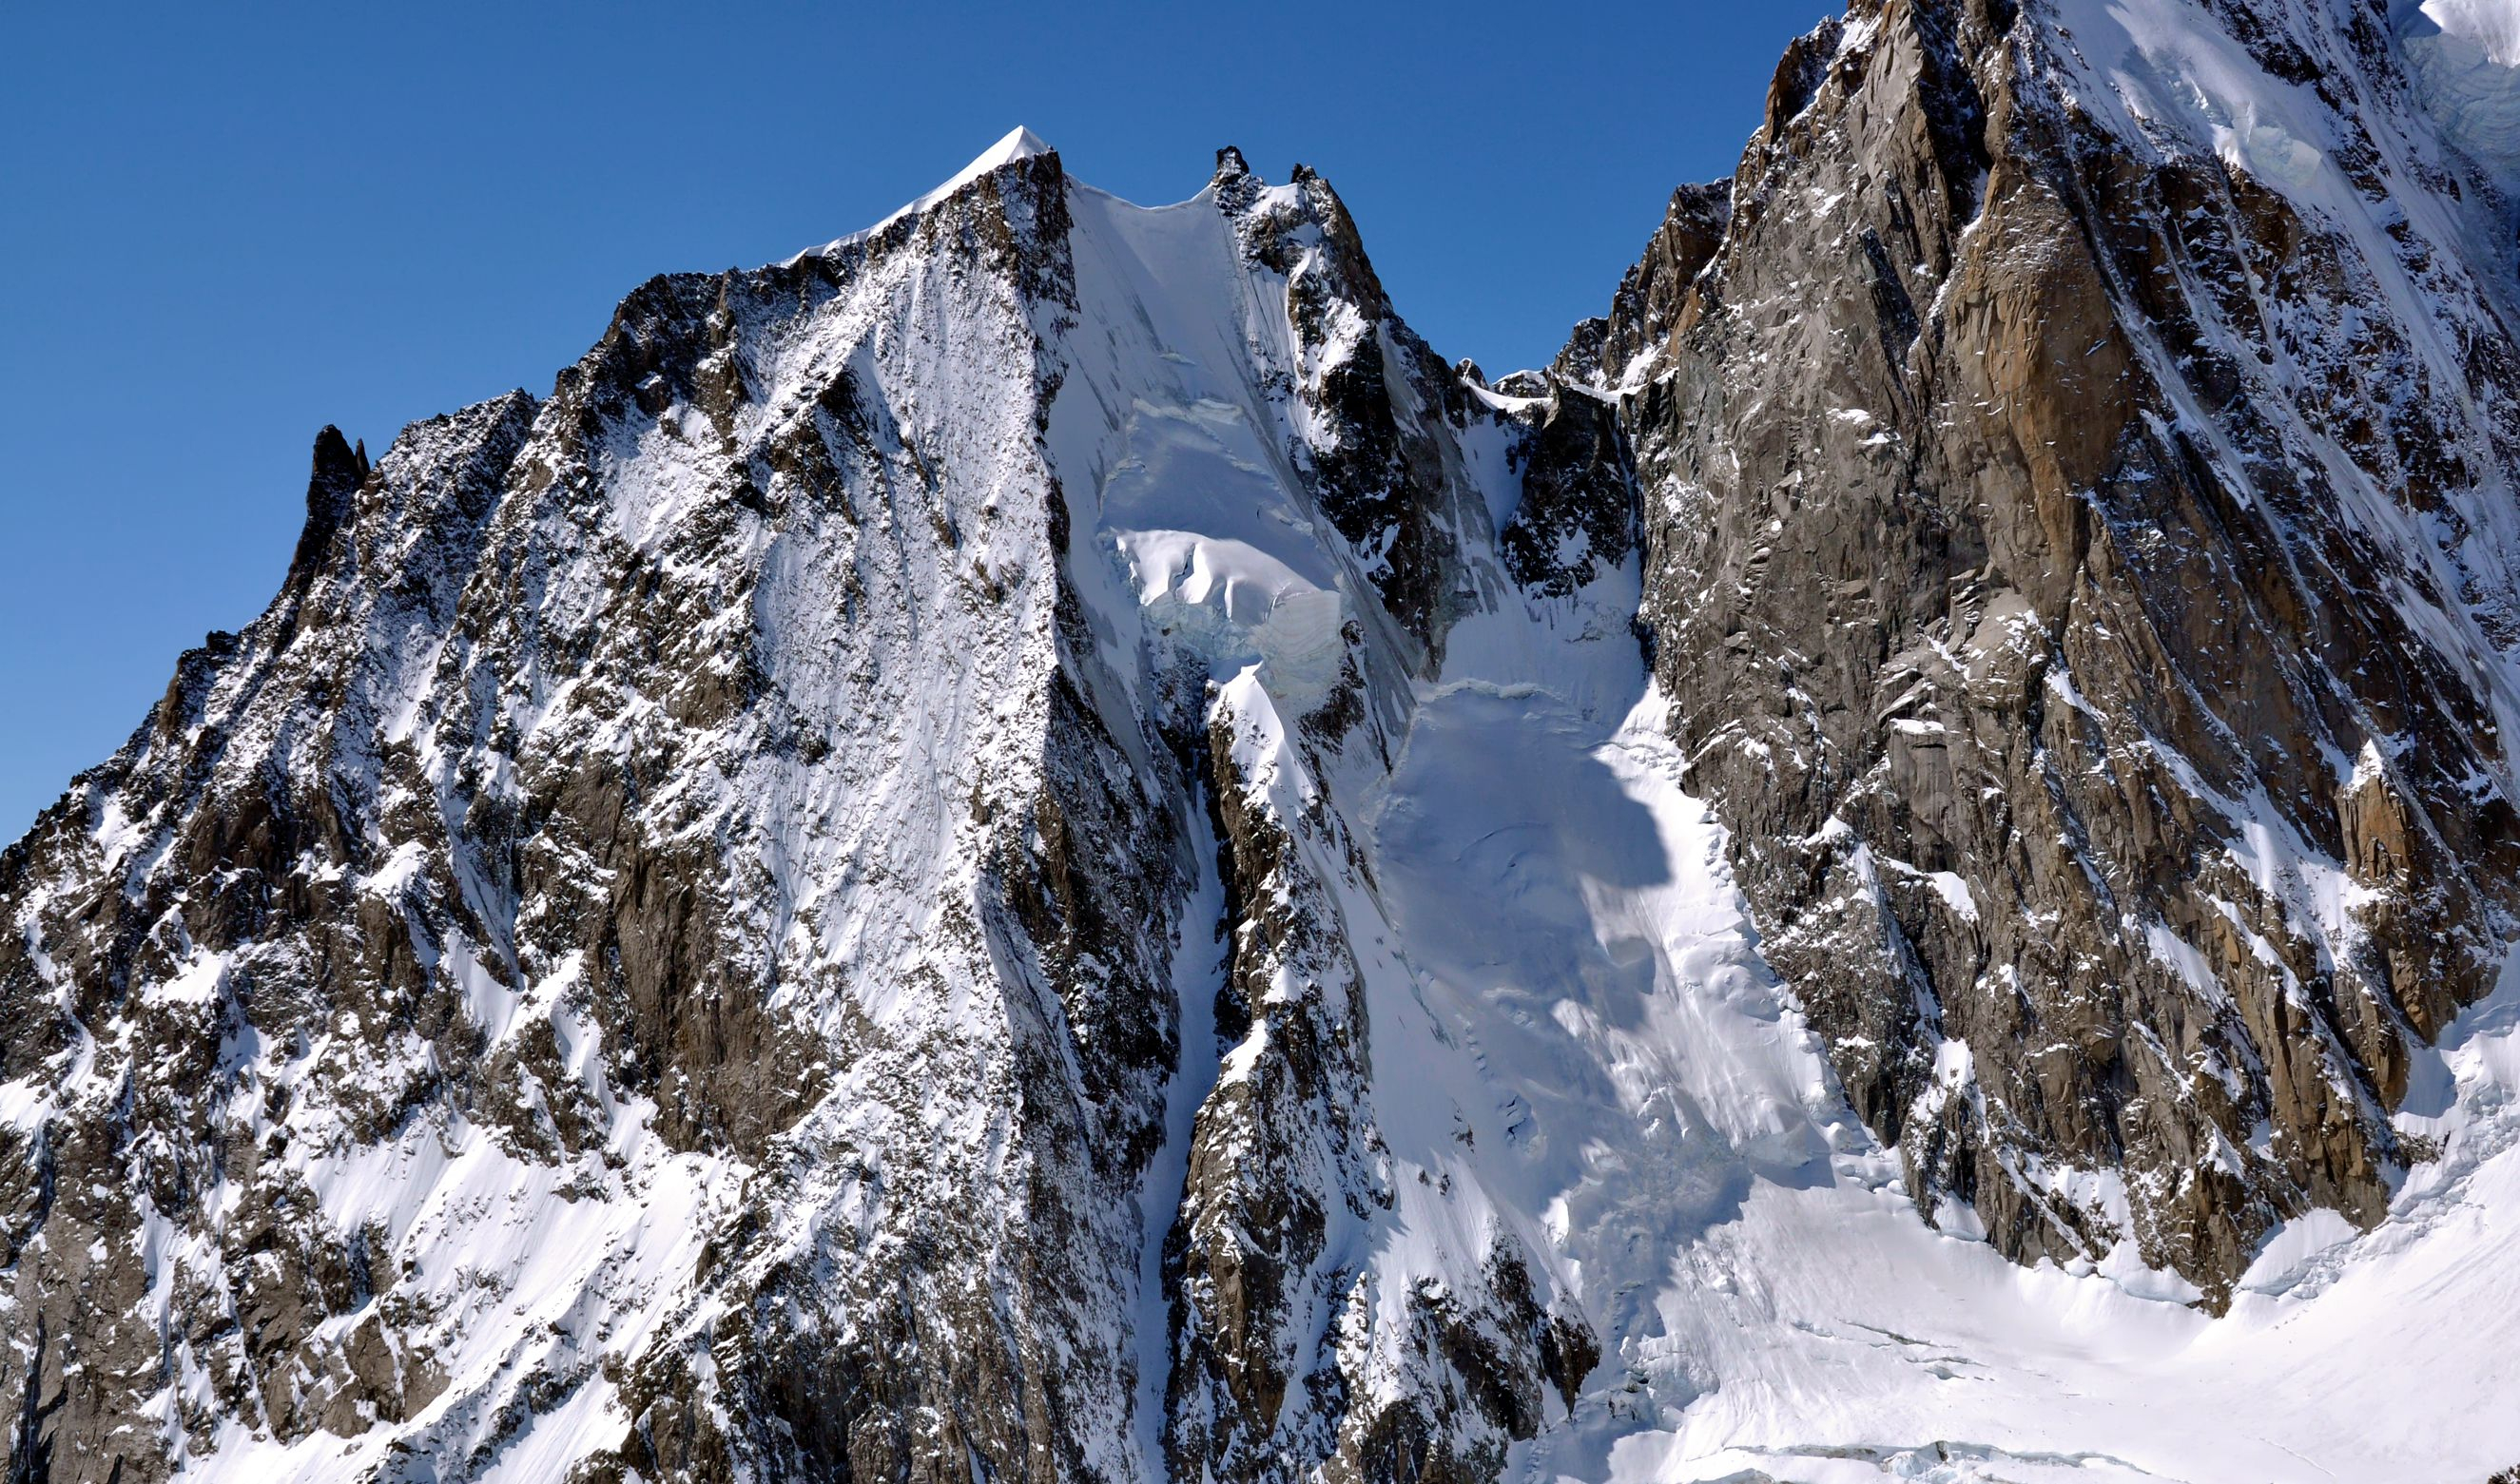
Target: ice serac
column 2463, row 59
column 2082, row 565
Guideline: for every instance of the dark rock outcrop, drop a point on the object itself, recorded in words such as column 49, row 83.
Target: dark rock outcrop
column 2059, row 566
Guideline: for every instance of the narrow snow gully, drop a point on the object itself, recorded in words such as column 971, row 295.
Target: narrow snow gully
column 1198, row 977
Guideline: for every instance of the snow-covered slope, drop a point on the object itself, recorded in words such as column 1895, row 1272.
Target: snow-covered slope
column 1033, row 845
column 666, row 949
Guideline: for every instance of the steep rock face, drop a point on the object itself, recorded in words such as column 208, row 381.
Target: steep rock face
column 2082, row 565
column 1034, row 845
column 665, row 952
column 663, row 797
column 1653, row 293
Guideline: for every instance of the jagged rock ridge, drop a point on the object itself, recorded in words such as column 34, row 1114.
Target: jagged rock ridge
column 716, row 865
column 1034, row 844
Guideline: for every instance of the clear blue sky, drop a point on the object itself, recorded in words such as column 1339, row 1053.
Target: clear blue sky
column 223, row 227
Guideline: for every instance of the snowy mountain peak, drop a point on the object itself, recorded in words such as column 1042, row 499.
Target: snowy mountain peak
column 1041, row 848
column 1020, row 143
column 1017, row 146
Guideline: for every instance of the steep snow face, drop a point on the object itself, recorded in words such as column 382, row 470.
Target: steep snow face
column 1282, row 509
column 1177, row 414
column 2463, row 57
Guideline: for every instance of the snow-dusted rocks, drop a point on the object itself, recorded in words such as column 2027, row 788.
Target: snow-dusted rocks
column 613, row 922
column 2082, row 558
column 1034, row 845
column 666, row 952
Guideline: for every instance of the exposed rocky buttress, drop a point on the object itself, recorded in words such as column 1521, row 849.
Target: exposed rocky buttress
column 2073, row 618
